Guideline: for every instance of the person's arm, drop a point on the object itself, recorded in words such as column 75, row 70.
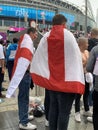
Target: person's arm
column 91, row 61
column 20, row 70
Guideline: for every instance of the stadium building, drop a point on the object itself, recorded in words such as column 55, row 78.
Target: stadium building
column 21, row 13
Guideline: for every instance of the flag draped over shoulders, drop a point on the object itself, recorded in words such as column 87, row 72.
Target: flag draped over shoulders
column 22, row 61
column 57, row 63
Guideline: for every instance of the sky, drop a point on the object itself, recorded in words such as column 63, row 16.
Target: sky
column 94, row 4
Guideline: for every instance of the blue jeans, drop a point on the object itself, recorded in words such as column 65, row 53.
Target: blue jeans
column 23, row 98
column 10, row 65
column 60, row 107
column 90, row 98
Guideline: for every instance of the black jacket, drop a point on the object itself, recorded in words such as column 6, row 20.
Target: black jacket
column 92, row 42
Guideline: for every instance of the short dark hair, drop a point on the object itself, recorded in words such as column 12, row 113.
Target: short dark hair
column 15, row 40
column 31, row 29
column 59, row 19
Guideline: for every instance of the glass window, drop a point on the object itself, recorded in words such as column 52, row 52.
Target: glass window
column 9, row 23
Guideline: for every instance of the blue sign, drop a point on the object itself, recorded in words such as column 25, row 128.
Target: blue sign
column 32, row 13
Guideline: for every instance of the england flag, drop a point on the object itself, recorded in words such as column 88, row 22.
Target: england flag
column 22, row 62
column 57, row 63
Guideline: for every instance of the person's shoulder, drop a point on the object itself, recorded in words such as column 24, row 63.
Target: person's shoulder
column 92, row 40
column 13, row 46
column 95, row 49
column 86, row 52
column 47, row 33
column 68, row 32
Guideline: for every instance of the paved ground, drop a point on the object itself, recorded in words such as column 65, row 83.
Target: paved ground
column 9, row 121
column 9, row 116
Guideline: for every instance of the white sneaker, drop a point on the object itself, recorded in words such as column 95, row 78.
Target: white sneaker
column 77, row 117
column 87, row 113
column 30, row 117
column 28, row 126
column 90, row 119
column 46, row 123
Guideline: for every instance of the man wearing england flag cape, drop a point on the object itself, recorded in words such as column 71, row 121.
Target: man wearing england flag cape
column 57, row 66
column 21, row 77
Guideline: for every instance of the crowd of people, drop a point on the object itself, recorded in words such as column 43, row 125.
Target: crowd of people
column 52, row 66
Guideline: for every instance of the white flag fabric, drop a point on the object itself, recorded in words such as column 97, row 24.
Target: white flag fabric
column 57, row 63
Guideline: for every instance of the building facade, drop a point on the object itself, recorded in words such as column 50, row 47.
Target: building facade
column 20, row 13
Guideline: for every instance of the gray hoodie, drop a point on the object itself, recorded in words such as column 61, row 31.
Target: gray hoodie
column 91, row 63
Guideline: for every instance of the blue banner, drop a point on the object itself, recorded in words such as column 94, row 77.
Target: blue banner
column 32, row 13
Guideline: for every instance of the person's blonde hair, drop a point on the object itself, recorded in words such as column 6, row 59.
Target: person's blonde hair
column 94, row 31
column 81, row 40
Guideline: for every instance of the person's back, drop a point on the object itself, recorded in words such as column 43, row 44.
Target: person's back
column 83, row 45
column 53, row 67
column 92, row 66
column 93, row 41
column 21, row 77
column 10, row 56
column 11, row 50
